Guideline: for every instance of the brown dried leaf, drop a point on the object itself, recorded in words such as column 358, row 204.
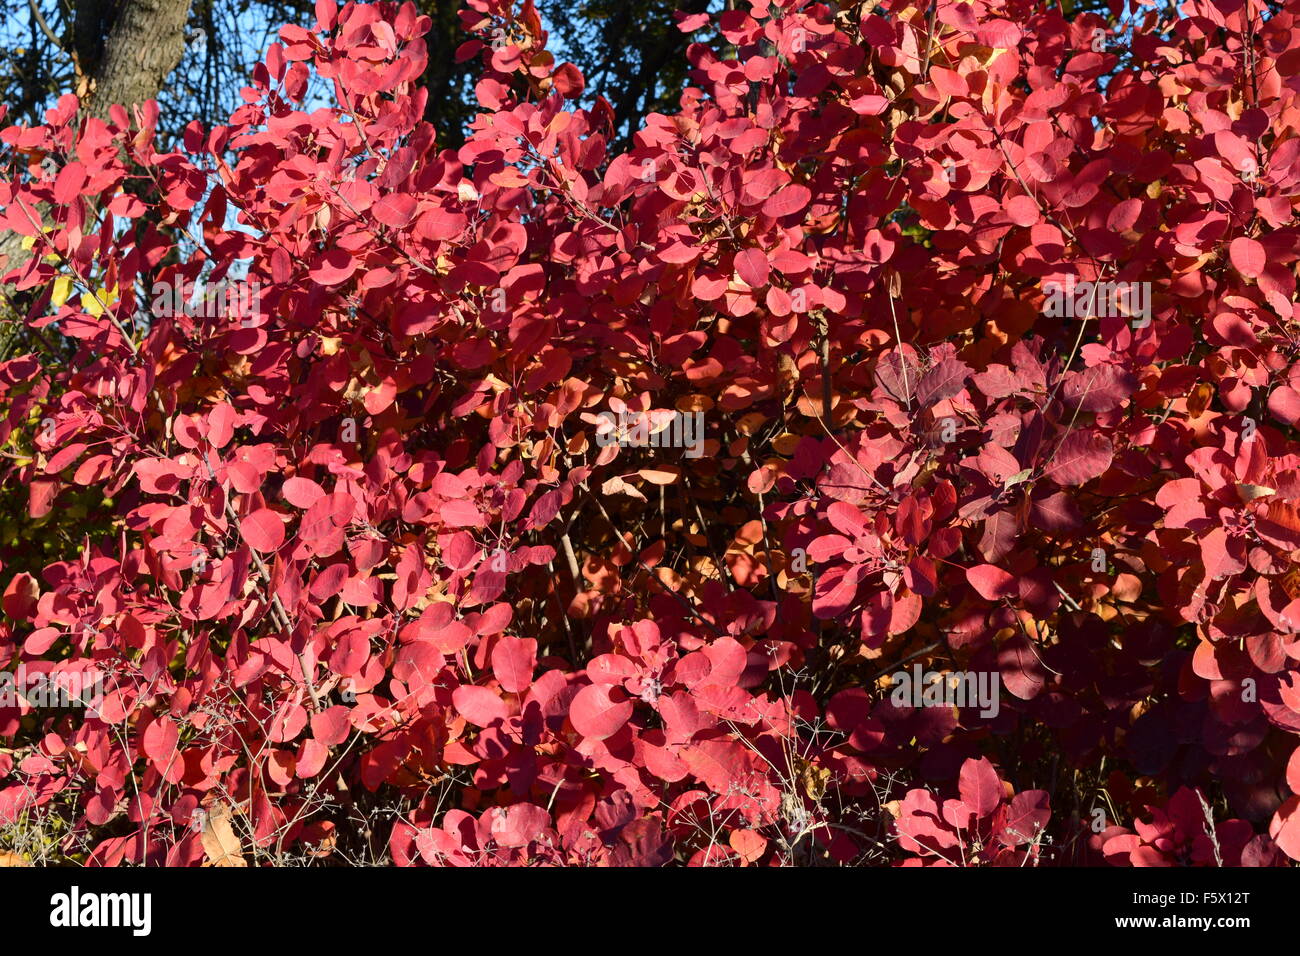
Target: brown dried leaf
column 220, row 843
column 617, row 486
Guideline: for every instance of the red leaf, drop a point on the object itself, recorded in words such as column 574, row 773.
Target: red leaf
column 395, row 209
column 160, row 741
column 20, row 597
column 991, row 582
column 440, row 223
column 221, row 425
column 1023, row 211
column 921, row 824
column 302, row 492
column 64, row 457
column 979, row 787
column 749, row 844
column 513, row 660
column 788, row 201
column 761, row 183
column 333, row 267
column 1248, row 256
column 1285, row 827
column 479, row 705
column 518, row 824
column 351, row 653
column 40, row 497
column 941, row 382
column 752, row 267
column 1021, row 668
column 70, row 181
column 837, row 590
column 948, row 82
column 1293, row 771
column 1284, row 404
column 287, row 724
column 1082, row 456
column 599, row 711
column 461, row 514
column 329, row 581
column 1026, row 817
column 568, row 81
column 331, row 726
column 263, row 530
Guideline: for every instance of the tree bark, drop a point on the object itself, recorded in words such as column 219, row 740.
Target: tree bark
column 143, row 46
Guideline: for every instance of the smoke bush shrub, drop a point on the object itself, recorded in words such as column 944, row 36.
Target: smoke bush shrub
column 988, row 318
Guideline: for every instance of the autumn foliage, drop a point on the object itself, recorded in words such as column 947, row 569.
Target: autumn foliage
column 364, row 584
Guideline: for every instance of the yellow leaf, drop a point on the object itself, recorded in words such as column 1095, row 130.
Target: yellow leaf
column 1251, row 492
column 814, row 779
column 62, row 289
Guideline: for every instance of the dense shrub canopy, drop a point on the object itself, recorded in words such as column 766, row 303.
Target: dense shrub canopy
column 987, row 317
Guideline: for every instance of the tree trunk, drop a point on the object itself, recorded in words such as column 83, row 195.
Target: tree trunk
column 144, row 44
